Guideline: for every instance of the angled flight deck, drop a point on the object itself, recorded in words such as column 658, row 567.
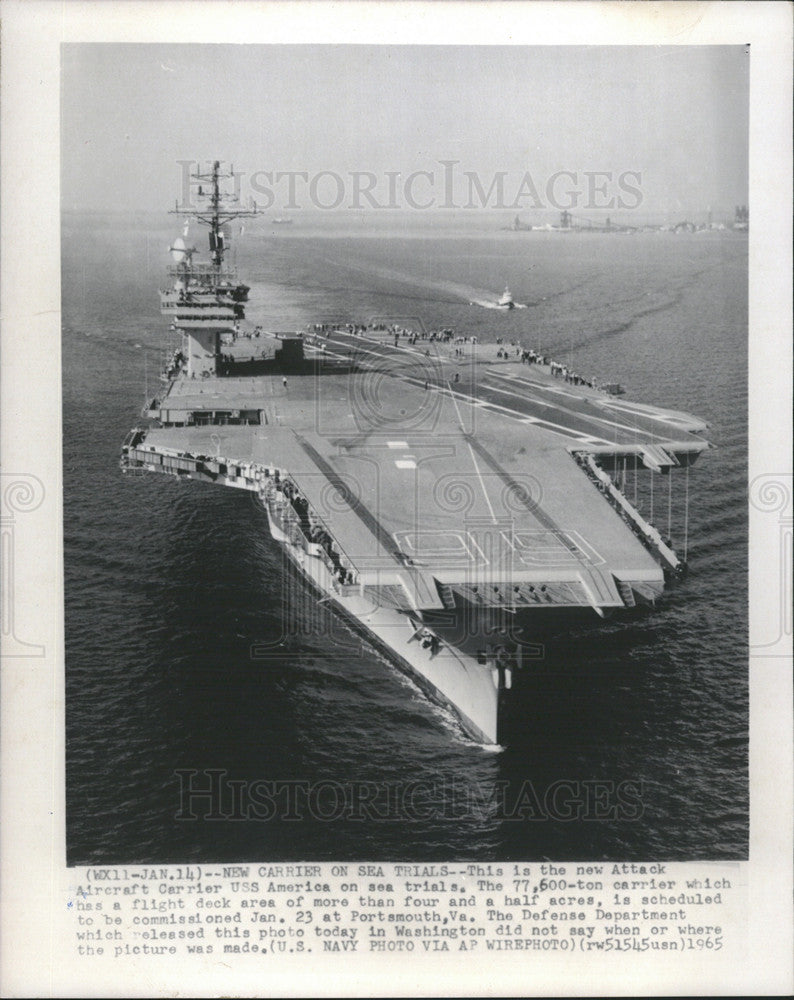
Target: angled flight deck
column 463, row 483
column 595, row 419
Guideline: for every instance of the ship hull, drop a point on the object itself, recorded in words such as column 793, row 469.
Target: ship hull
column 472, row 692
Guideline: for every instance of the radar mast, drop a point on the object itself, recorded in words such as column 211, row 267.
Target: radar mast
column 218, row 213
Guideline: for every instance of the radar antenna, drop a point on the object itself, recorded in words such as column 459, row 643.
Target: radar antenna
column 217, row 213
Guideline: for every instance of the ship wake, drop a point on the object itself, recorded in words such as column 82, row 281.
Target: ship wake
column 491, row 304
column 471, row 294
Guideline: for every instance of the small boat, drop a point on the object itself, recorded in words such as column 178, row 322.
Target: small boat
column 506, row 300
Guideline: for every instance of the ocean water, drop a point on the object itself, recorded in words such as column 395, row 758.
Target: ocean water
column 191, row 647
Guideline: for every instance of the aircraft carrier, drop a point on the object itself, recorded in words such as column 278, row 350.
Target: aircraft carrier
column 452, row 502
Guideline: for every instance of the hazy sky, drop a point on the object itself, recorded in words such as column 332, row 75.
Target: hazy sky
column 678, row 116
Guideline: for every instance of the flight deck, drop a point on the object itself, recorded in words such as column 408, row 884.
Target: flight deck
column 434, row 470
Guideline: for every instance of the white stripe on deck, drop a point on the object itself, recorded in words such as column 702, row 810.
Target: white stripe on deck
column 497, row 407
column 474, row 462
column 596, row 418
column 525, row 418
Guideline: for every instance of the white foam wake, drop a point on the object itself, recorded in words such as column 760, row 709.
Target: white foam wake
column 491, row 304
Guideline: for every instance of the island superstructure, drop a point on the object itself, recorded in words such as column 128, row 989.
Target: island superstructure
column 453, row 506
